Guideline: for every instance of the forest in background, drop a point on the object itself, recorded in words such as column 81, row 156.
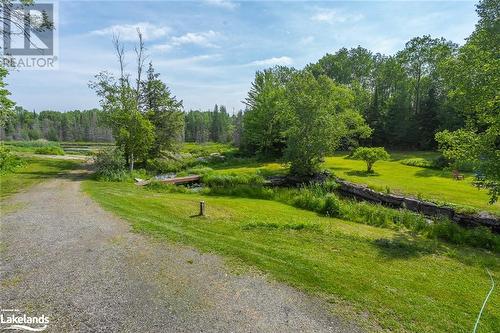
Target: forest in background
column 404, row 98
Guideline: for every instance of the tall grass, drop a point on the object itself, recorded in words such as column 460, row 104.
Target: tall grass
column 321, row 199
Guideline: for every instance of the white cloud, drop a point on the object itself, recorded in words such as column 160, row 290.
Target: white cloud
column 283, row 61
column 332, row 16
column 228, row 4
column 161, row 47
column 128, row 32
column 197, row 38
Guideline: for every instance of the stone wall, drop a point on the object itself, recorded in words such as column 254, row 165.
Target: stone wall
column 430, row 209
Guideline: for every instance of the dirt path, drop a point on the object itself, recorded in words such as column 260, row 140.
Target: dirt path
column 64, row 257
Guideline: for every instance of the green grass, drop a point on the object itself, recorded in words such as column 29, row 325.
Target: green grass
column 435, row 185
column 33, row 171
column 403, row 283
column 430, row 184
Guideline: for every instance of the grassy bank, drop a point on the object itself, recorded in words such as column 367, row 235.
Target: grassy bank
column 402, row 283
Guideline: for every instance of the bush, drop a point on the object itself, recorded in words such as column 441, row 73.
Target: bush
column 109, row 165
column 418, row 162
column 8, row 161
column 49, row 150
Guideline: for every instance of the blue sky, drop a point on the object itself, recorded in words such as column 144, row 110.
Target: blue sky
column 208, row 51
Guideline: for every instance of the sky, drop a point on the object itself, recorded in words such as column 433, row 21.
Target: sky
column 208, row 51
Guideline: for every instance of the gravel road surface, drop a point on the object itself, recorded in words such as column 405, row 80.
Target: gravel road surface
column 64, row 257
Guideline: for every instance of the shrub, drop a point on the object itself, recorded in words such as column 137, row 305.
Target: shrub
column 8, row 161
column 418, row 162
column 370, row 156
column 49, row 150
column 109, row 165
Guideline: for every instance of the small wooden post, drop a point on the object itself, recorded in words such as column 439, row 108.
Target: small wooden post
column 202, row 208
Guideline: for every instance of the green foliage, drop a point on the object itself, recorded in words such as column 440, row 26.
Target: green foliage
column 8, row 161
column 71, row 126
column 480, row 237
column 163, row 111
column 49, row 150
column 331, row 206
column 227, row 181
column 109, row 165
column 307, row 199
column 418, row 162
column 6, row 104
column 473, row 79
column 265, row 121
column 370, row 156
column 318, row 109
column 158, row 186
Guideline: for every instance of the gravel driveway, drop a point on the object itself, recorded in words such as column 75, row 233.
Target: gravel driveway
column 66, row 258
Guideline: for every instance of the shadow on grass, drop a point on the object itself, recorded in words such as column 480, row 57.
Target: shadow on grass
column 432, row 173
column 403, row 246
column 359, row 173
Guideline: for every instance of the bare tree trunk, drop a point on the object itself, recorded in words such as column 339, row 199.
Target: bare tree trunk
column 131, row 164
column 139, row 51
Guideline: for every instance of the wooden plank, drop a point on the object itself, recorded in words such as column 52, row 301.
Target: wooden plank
column 176, row 181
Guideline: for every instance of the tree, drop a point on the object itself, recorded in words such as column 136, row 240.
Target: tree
column 6, row 104
column 473, row 80
column 163, row 111
column 317, row 109
column 120, row 101
column 370, row 156
column 264, row 121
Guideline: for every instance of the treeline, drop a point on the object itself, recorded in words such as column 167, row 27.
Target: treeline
column 87, row 125
column 404, row 98
column 55, row 126
column 215, row 126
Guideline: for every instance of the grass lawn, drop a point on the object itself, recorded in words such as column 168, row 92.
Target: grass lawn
column 435, row 185
column 388, row 280
column 33, row 171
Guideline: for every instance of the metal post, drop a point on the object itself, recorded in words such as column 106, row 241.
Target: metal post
column 202, row 208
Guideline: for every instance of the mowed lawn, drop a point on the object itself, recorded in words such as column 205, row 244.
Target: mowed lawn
column 435, row 185
column 431, row 184
column 387, row 280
